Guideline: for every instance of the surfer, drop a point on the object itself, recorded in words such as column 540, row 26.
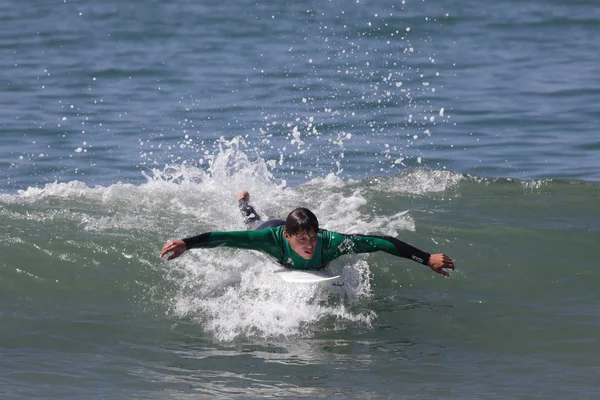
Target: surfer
column 298, row 243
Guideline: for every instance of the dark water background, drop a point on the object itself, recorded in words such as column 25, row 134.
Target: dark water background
column 458, row 126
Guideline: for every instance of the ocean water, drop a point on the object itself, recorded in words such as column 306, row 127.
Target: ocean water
column 457, row 126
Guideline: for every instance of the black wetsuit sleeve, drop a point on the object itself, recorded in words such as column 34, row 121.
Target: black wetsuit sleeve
column 403, row 249
column 345, row 244
column 197, row 241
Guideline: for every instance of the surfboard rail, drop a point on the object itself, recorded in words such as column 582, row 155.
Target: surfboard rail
column 307, row 276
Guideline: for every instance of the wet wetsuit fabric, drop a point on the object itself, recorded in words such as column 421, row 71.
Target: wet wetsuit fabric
column 249, row 214
column 330, row 245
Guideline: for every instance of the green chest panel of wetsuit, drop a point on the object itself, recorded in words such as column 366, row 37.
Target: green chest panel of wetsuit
column 330, row 245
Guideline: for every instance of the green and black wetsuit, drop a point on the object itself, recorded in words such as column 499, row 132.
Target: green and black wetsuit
column 330, row 245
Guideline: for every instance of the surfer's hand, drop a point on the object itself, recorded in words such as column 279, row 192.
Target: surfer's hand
column 440, row 262
column 178, row 247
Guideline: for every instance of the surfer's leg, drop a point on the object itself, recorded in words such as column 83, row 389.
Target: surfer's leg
column 244, row 194
column 251, row 217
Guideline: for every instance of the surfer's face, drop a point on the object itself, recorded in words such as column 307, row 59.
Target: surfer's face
column 303, row 243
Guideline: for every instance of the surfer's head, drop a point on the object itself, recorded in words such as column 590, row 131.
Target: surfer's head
column 301, row 228
column 301, row 220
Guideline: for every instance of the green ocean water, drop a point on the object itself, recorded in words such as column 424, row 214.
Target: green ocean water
column 89, row 309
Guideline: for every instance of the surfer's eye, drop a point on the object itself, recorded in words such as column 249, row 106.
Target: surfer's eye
column 306, row 238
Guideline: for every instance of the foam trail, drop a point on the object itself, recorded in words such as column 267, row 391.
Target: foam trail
column 233, row 294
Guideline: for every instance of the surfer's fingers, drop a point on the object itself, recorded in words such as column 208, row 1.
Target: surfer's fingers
column 448, row 262
column 164, row 250
column 442, row 272
column 170, row 243
column 169, row 246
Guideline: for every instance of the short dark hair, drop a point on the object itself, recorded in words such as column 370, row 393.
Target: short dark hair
column 301, row 220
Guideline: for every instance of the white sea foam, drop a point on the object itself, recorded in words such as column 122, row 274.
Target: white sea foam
column 423, row 181
column 230, row 293
column 234, row 294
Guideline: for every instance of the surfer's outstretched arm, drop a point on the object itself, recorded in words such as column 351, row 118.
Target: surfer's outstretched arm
column 439, row 263
column 264, row 240
column 178, row 247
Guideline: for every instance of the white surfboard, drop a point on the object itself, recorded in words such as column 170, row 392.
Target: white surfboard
column 302, row 276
